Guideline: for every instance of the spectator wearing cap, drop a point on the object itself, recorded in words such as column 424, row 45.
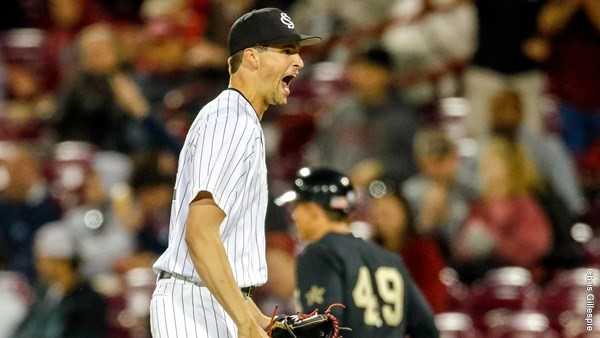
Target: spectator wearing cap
column 65, row 304
column 370, row 122
column 25, row 204
column 438, row 199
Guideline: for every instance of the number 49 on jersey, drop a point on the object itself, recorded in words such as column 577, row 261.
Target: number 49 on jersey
column 390, row 289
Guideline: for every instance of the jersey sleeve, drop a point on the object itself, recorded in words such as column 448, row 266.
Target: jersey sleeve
column 420, row 321
column 319, row 280
column 221, row 147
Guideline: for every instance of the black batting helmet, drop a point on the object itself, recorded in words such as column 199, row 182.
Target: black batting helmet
column 326, row 187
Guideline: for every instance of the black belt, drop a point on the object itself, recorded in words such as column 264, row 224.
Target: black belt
column 247, row 291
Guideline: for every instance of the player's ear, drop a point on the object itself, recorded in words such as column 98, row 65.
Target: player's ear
column 317, row 212
column 251, row 58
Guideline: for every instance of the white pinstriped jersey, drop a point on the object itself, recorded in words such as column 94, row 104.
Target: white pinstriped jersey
column 224, row 154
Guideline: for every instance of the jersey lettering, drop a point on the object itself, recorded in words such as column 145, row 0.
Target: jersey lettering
column 390, row 289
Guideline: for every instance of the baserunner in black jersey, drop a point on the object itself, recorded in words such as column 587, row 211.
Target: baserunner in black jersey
column 380, row 296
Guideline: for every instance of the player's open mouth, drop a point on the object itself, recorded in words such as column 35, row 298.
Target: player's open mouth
column 287, row 81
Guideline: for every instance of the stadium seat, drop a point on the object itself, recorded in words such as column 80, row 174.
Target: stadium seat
column 527, row 324
column 563, row 300
column 455, row 325
column 501, row 292
column 458, row 292
column 592, row 252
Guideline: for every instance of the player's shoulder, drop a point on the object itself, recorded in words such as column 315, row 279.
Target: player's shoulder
column 345, row 242
column 348, row 245
column 317, row 248
column 320, row 252
column 387, row 258
column 229, row 101
column 340, row 241
column 334, row 246
column 228, row 110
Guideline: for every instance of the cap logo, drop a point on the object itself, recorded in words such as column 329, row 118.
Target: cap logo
column 286, row 20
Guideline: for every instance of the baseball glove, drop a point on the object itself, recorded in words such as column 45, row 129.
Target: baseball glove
column 311, row 325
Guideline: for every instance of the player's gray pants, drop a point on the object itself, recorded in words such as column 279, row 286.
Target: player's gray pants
column 180, row 309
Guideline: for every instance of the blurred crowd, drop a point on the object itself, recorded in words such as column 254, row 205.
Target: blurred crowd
column 470, row 129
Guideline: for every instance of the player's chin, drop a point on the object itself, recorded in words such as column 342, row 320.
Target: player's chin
column 281, row 97
column 281, row 100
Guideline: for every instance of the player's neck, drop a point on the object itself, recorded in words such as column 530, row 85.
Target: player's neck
column 240, row 84
column 339, row 228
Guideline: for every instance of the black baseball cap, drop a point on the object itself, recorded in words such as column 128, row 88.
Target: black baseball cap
column 263, row 27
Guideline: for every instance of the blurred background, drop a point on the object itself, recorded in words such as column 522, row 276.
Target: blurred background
column 471, row 130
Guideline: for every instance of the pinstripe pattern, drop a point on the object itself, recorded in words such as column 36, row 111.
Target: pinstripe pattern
column 189, row 312
column 224, row 154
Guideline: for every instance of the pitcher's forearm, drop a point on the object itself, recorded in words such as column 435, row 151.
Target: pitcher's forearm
column 257, row 314
column 211, row 263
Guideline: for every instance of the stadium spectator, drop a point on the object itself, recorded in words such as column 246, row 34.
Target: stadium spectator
column 162, row 59
column 28, row 107
column 14, row 296
column 67, row 19
column 174, row 74
column 65, row 304
column 568, row 42
column 101, row 103
column 395, row 229
column 506, row 226
column 499, row 61
column 25, row 204
column 103, row 234
column 370, row 122
column 558, row 193
column 549, row 154
column 328, row 18
column 439, row 201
